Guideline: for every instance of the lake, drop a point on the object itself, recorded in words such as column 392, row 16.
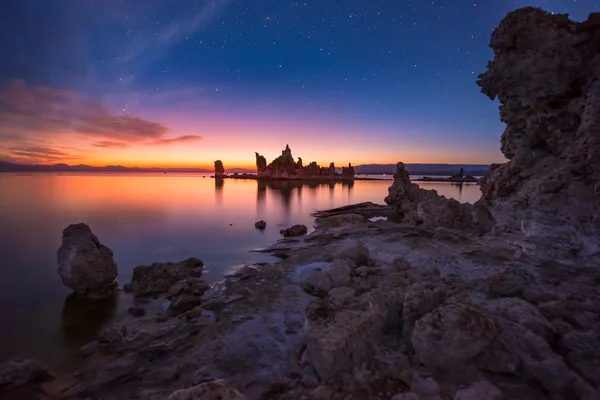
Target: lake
column 143, row 218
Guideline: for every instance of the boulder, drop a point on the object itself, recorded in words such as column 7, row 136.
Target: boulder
column 260, row 224
column 111, row 337
column 192, row 286
column 159, row 278
column 294, row 230
column 84, row 264
column 452, row 335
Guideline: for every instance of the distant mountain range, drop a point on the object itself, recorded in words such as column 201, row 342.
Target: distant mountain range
column 369, row 169
column 423, row 169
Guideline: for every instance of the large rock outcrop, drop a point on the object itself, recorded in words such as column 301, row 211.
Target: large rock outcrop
column 84, row 264
column 284, row 167
column 424, row 207
column 219, row 169
column 546, row 76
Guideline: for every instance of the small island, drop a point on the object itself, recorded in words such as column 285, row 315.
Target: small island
column 285, row 168
column 458, row 178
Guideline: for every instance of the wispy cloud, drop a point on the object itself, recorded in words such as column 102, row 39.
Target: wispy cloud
column 177, row 30
column 33, row 154
column 180, row 139
column 109, row 144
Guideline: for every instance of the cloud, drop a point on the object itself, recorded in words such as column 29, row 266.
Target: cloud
column 109, row 144
column 180, row 139
column 41, row 109
column 31, row 154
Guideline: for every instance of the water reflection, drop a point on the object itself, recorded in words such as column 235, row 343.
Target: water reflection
column 287, row 191
column 219, row 185
column 82, row 319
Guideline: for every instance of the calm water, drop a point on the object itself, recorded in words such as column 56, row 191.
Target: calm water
column 143, row 219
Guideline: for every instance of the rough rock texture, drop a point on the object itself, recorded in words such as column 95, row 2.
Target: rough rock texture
column 22, row 375
column 161, row 277
column 424, row 207
column 219, row 169
column 294, row 230
column 284, row 167
column 84, row 264
column 215, row 390
column 549, row 189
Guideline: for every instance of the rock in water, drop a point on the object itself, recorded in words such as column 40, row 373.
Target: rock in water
column 219, row 169
column 260, row 224
column 159, row 278
column 295, row 230
column 546, row 76
column 84, row 264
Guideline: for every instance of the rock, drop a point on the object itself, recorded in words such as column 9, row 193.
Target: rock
column 111, row 337
column 525, row 314
column 260, row 224
column 341, row 297
column 336, row 221
column 452, row 335
column 546, row 189
column 424, row 386
column 482, row 390
column 219, row 170
column 295, row 230
column 425, row 207
column 318, row 283
column 184, row 303
column 137, row 311
column 359, row 253
column 284, row 167
column 213, row 390
column 158, row 278
column 18, row 373
column 340, row 273
column 192, row 286
column 420, row 300
column 400, row 264
column 84, row 264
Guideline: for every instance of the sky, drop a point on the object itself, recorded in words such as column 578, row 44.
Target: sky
column 181, row 83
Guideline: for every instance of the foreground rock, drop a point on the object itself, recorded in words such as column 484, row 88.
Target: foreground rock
column 22, row 378
column 549, row 189
column 160, row 278
column 84, row 264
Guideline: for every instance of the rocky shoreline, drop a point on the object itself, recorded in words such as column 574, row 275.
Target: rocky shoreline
column 423, row 298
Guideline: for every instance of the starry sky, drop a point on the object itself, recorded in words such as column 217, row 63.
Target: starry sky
column 182, row 83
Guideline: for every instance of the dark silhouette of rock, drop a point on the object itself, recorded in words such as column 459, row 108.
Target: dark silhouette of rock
column 546, row 76
column 137, row 311
column 348, row 172
column 159, row 278
column 424, row 207
column 295, row 230
column 284, row 167
column 84, row 264
column 219, row 170
column 260, row 224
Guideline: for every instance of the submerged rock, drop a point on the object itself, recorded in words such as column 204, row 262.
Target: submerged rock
column 294, row 230
column 159, row 278
column 260, row 224
column 84, row 264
